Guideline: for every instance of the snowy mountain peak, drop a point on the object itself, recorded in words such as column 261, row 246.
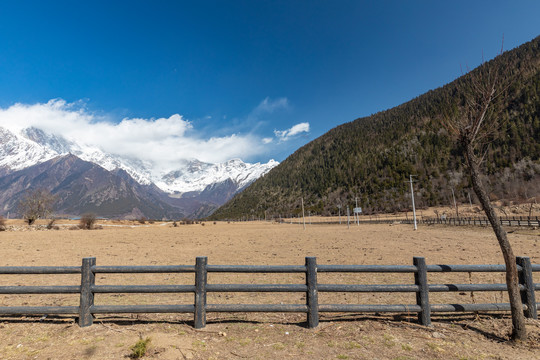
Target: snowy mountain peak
column 18, row 152
column 53, row 142
column 197, row 175
column 31, row 146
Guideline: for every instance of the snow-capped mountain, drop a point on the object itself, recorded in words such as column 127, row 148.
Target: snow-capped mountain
column 18, row 152
column 197, row 175
column 195, row 187
column 32, row 146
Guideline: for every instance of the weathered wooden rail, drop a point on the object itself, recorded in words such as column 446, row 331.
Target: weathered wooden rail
column 312, row 287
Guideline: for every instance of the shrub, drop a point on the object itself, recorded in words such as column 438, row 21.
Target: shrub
column 87, row 221
column 2, row 224
column 139, row 349
column 142, row 220
column 50, row 224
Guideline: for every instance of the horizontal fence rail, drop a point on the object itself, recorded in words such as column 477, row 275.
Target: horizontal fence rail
column 312, row 287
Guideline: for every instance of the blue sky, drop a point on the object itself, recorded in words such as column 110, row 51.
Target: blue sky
column 259, row 78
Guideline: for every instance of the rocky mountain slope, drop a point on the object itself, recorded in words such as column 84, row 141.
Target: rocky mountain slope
column 81, row 187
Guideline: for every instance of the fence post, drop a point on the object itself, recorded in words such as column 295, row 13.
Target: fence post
column 88, row 279
column 312, row 296
column 422, row 296
column 526, row 279
column 200, row 292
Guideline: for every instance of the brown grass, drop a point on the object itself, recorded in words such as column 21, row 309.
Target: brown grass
column 228, row 336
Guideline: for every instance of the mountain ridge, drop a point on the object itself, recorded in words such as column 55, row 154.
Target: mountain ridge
column 194, row 189
column 81, row 186
column 372, row 157
column 30, row 146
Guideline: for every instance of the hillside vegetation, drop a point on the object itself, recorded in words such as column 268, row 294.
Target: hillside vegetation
column 372, row 157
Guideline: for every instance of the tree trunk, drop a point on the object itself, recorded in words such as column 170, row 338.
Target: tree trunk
column 519, row 332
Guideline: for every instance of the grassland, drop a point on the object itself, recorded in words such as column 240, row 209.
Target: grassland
column 259, row 336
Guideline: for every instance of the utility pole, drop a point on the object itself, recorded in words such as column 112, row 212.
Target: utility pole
column 412, row 197
column 303, row 215
column 348, row 218
column 356, row 213
column 455, row 204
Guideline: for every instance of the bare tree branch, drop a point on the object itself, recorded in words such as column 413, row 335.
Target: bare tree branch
column 472, row 126
column 36, row 204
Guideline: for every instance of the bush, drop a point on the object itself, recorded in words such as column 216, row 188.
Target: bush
column 2, row 224
column 50, row 224
column 142, row 220
column 87, row 221
column 139, row 349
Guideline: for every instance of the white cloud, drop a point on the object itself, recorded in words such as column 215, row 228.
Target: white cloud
column 269, row 106
column 285, row 135
column 267, row 140
column 163, row 141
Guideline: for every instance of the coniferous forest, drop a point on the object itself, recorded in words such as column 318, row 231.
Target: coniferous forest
column 371, row 158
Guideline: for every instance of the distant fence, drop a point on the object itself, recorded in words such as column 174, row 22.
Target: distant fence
column 88, row 288
column 530, row 221
column 461, row 221
column 505, row 221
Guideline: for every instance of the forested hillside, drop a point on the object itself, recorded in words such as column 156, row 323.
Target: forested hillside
column 371, row 158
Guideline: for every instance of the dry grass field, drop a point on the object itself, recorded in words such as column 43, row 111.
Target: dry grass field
column 260, row 336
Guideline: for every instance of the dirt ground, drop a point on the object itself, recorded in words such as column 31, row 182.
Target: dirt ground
column 260, row 336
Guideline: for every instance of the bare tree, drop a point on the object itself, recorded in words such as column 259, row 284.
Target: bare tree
column 36, row 204
column 87, row 221
column 472, row 124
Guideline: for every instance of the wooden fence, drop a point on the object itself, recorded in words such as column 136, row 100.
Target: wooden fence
column 421, row 286
column 462, row 221
column 530, row 221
